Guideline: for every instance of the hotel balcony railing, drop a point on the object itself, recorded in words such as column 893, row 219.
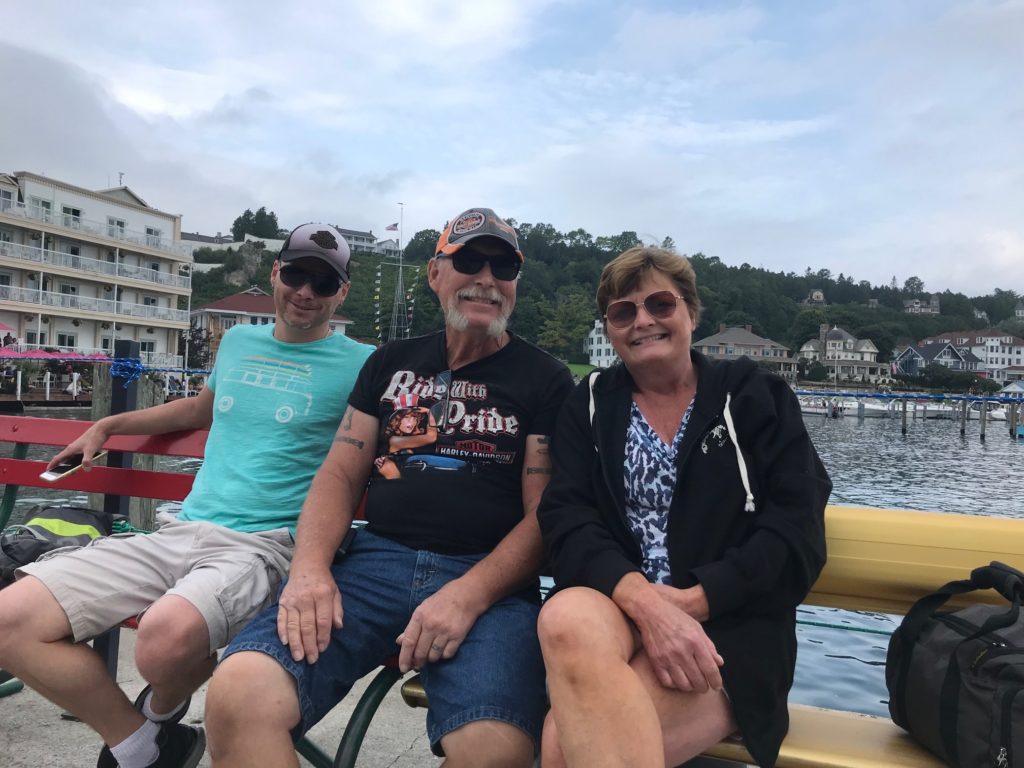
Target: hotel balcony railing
column 43, row 256
column 89, row 304
column 107, row 229
column 151, row 359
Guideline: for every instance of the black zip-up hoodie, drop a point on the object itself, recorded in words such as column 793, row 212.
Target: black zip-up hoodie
column 755, row 566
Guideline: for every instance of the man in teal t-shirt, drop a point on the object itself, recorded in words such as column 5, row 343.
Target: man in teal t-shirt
column 273, row 403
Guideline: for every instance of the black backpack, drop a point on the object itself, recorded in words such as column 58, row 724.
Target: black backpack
column 956, row 678
column 47, row 529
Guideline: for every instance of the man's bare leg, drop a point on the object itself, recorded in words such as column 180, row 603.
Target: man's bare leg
column 251, row 707
column 36, row 645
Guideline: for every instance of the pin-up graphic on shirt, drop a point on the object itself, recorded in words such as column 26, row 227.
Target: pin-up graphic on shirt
column 409, row 438
column 291, row 382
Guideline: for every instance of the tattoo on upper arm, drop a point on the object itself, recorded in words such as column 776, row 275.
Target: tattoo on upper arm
column 349, row 440
column 346, row 420
column 538, row 470
column 542, row 445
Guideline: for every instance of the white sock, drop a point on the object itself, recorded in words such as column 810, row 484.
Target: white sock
column 155, row 717
column 139, row 749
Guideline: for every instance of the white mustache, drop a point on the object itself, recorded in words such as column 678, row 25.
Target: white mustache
column 485, row 294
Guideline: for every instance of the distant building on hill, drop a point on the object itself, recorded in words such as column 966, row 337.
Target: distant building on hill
column 919, row 307
column 358, row 240
column 815, row 298
column 253, row 306
column 847, row 358
column 205, row 240
column 733, row 342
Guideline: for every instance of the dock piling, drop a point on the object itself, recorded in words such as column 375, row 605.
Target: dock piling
column 904, row 412
column 984, row 419
column 963, row 418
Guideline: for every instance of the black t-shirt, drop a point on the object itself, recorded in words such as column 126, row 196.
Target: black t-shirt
column 448, row 473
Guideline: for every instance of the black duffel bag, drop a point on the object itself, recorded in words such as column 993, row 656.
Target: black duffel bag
column 956, row 678
column 46, row 529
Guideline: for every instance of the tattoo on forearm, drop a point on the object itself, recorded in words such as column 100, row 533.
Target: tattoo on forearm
column 542, row 445
column 543, row 439
column 350, row 440
column 538, row 470
column 346, row 420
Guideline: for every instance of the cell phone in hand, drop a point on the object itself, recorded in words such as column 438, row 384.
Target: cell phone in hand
column 69, row 466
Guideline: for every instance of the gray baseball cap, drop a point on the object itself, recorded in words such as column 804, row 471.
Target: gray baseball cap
column 318, row 241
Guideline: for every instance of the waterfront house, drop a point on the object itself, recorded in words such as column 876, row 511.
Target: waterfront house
column 253, row 306
column 912, row 360
column 733, row 342
column 846, row 357
column 1000, row 354
column 81, row 268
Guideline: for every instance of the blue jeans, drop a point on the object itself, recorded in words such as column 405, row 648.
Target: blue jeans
column 497, row 674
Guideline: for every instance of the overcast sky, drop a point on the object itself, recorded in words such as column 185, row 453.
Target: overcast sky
column 876, row 138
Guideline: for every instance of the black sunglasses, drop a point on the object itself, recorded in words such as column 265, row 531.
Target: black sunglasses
column 322, row 283
column 442, row 389
column 470, row 262
column 660, row 305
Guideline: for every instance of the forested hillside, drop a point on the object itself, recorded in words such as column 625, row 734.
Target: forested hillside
column 556, row 305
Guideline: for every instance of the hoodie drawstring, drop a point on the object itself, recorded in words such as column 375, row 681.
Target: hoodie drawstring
column 749, row 506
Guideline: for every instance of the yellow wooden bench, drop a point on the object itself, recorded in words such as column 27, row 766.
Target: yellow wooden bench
column 878, row 560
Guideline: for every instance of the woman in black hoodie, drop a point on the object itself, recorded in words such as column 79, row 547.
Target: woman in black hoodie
column 685, row 524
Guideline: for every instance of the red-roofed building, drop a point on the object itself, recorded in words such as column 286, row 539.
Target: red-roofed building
column 250, row 307
column 1001, row 353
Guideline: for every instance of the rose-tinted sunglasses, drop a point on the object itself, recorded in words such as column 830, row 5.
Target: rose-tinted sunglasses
column 660, row 305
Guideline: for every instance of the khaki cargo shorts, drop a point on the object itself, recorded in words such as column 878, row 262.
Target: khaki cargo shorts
column 227, row 575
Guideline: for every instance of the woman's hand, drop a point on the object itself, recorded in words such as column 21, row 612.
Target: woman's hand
column 693, row 600
column 681, row 654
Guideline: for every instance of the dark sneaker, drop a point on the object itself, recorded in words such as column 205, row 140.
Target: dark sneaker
column 181, row 746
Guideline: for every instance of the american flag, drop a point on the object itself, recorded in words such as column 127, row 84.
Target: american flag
column 391, row 227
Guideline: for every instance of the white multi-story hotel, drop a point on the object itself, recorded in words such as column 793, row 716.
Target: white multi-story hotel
column 80, row 268
column 598, row 348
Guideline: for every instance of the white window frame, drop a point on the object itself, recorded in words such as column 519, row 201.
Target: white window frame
column 45, row 207
column 6, row 199
column 116, row 227
column 71, row 216
column 147, row 346
column 32, row 338
column 150, row 301
column 153, row 236
column 67, row 339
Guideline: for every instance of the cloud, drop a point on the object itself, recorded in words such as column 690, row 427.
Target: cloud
column 866, row 138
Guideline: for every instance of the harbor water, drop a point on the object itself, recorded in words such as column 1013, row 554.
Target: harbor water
column 841, row 658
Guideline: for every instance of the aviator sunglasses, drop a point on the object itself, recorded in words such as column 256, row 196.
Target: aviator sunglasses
column 660, row 305
column 470, row 262
column 323, row 284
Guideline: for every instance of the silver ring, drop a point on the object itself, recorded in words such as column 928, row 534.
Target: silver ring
column 438, row 648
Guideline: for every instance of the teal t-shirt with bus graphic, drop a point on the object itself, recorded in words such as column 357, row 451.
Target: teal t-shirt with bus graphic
column 276, row 409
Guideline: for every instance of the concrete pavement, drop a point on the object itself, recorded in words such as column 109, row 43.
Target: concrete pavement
column 32, row 733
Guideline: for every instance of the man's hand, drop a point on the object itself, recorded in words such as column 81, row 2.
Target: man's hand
column 309, row 609
column 681, row 653
column 88, row 444
column 438, row 626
